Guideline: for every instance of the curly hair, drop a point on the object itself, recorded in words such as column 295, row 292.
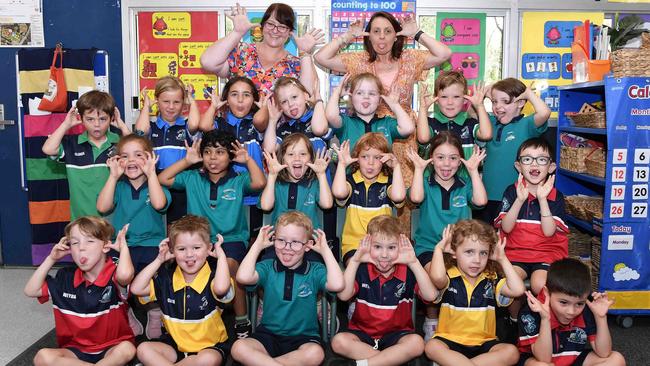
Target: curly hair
column 478, row 231
column 371, row 140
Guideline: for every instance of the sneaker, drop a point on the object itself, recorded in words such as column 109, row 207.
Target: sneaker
column 243, row 330
column 135, row 324
column 154, row 324
column 429, row 329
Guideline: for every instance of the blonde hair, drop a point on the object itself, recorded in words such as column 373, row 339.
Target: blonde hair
column 296, row 218
column 94, row 226
column 358, row 79
column 385, row 225
column 144, row 142
column 169, row 83
column 190, row 224
column 475, row 230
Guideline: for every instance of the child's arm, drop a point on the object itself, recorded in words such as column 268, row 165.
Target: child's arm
column 422, row 130
column 258, row 180
column 332, row 111
column 194, row 117
column 51, row 145
column 267, row 199
column 119, row 123
column 362, row 255
column 142, row 123
column 484, row 126
column 335, row 282
column 319, row 166
column 405, row 125
column 140, row 284
column 397, row 191
column 221, row 281
column 543, row 346
column 270, row 143
column 124, row 272
column 107, row 194
column 340, row 187
column 416, row 192
column 542, row 111
column 514, row 286
column 510, row 219
column 428, row 292
column 546, row 216
column 479, row 195
column 156, row 194
column 602, row 346
column 261, row 117
column 193, row 156
column 246, row 274
column 319, row 124
column 34, row 286
column 206, row 122
column 437, row 269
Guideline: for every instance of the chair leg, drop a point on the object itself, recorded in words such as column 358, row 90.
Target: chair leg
column 252, row 308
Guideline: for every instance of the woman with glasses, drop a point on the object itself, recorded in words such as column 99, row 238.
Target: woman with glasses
column 265, row 61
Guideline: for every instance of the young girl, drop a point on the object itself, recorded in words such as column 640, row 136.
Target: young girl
column 444, row 198
column 170, row 131
column 293, row 109
column 366, row 90
column 510, row 129
column 465, row 263
column 369, row 190
column 137, row 199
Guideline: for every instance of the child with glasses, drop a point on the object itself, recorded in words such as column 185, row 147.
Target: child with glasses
column 532, row 217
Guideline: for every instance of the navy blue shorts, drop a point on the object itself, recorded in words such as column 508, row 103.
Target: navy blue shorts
column 523, row 357
column 235, row 249
column 277, row 345
column 469, row 351
column 348, row 255
column 142, row 256
column 425, row 257
column 529, row 268
column 388, row 340
column 88, row 357
column 222, row 348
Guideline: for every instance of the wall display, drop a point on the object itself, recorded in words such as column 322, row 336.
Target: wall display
column 21, row 24
column 464, row 33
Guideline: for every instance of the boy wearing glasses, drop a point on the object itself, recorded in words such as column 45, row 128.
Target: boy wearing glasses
column 532, row 217
column 288, row 333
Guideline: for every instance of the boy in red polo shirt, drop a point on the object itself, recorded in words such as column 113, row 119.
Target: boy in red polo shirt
column 384, row 275
column 89, row 299
column 555, row 327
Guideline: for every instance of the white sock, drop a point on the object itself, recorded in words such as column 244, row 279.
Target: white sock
column 431, row 320
column 362, row 363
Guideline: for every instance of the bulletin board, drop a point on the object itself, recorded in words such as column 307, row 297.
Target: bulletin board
column 464, row 33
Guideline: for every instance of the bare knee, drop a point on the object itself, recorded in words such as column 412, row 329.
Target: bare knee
column 415, row 345
column 616, row 359
column 208, row 358
column 433, row 348
column 340, row 343
column 537, row 281
column 45, row 357
column 509, row 352
column 313, row 352
column 239, row 349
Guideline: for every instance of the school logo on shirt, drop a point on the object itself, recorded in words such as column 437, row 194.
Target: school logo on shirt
column 578, row 336
column 459, row 201
column 510, row 136
column 452, row 289
column 180, row 135
column 399, row 291
column 81, row 153
column 506, row 204
column 529, row 323
column 489, row 291
column 310, row 200
column 106, row 295
column 464, row 133
column 204, row 303
column 229, row 194
column 304, row 290
column 382, row 193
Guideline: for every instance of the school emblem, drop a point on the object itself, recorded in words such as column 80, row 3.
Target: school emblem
column 229, row 194
column 489, row 291
column 464, row 133
column 510, row 136
column 382, row 193
column 530, row 327
column 506, row 205
column 304, row 290
column 180, row 135
column 106, row 295
column 310, row 200
column 459, row 201
column 399, row 291
column 578, row 336
column 204, row 303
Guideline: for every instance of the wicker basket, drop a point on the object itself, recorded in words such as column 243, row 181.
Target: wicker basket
column 632, row 61
column 596, row 163
column 573, row 158
column 595, row 262
column 589, row 120
column 584, row 207
column 579, row 244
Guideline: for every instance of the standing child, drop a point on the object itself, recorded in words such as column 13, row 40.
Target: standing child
column 89, row 299
column 217, row 193
column 85, row 155
column 369, row 190
column 366, row 90
column 189, row 292
column 557, row 329
column 170, row 131
column 288, row 333
column 444, row 198
column 381, row 328
column 509, row 129
column 464, row 268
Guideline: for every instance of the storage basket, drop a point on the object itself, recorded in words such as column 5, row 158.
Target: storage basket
column 596, row 163
column 595, row 262
column 579, row 244
column 573, row 158
column 584, row 207
column 632, row 61
column 589, row 120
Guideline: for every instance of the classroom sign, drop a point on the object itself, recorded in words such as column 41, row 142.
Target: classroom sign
column 464, row 33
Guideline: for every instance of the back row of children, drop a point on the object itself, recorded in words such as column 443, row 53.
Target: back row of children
column 215, row 189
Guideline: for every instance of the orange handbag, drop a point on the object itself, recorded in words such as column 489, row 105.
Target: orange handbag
column 55, row 98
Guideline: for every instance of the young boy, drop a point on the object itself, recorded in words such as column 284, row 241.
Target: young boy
column 89, row 299
column 555, row 327
column 188, row 292
column 85, row 155
column 532, row 217
column 381, row 327
column 217, row 193
column 288, row 333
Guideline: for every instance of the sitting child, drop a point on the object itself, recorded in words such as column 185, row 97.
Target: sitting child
column 556, row 328
column 89, row 299
column 188, row 292
column 381, row 328
column 471, row 290
column 291, row 285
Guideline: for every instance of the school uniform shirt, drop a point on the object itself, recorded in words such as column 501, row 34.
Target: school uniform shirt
column 246, row 133
column 499, row 164
column 527, row 242
column 383, row 304
column 467, row 312
column 302, row 196
column 191, row 312
column 89, row 316
column 86, row 170
column 290, row 296
column 288, row 126
column 366, row 201
column 353, row 127
column 463, row 126
column 169, row 140
column 133, row 206
column 568, row 340
column 221, row 202
column 439, row 208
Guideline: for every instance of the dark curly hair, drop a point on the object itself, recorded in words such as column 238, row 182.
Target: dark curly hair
column 218, row 138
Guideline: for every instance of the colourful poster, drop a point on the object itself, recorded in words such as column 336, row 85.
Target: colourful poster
column 464, row 33
column 171, row 25
column 545, row 57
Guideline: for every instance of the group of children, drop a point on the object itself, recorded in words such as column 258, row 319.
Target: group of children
column 271, row 153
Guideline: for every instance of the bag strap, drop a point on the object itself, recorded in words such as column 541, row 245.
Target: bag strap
column 58, row 51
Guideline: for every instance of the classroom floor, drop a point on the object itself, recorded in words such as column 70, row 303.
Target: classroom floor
column 23, row 322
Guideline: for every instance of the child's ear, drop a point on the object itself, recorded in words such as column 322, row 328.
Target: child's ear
column 106, row 248
column 551, row 167
column 308, row 245
column 520, row 104
column 518, row 166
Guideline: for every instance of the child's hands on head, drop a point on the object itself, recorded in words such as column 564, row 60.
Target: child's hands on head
column 319, row 243
column 116, row 166
column 426, row 97
column 146, row 102
column 600, row 304
column 164, row 254
column 526, row 95
column 193, row 153
column 392, row 99
column 117, row 119
column 343, row 153
column 406, row 253
column 362, row 255
column 148, row 165
column 272, row 163
column 389, row 159
column 60, row 249
column 120, row 240
column 240, row 152
column 542, row 308
column 445, row 242
column 189, row 94
column 263, row 239
column 322, row 160
column 72, row 118
column 342, row 88
column 215, row 100
column 216, row 250
column 499, row 252
column 275, row 113
column 543, row 190
column 418, row 162
column 475, row 160
column 478, row 95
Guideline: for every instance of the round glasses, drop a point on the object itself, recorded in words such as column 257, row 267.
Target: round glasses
column 282, row 244
column 540, row 160
column 276, row 27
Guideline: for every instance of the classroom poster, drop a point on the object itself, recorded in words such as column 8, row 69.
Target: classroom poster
column 171, row 43
column 546, row 52
column 464, row 33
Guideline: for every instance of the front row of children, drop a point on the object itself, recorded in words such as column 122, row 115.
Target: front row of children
column 469, row 276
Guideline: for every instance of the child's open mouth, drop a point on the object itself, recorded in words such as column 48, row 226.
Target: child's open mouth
column 294, row 112
column 365, row 105
column 534, row 173
column 297, row 170
column 83, row 260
